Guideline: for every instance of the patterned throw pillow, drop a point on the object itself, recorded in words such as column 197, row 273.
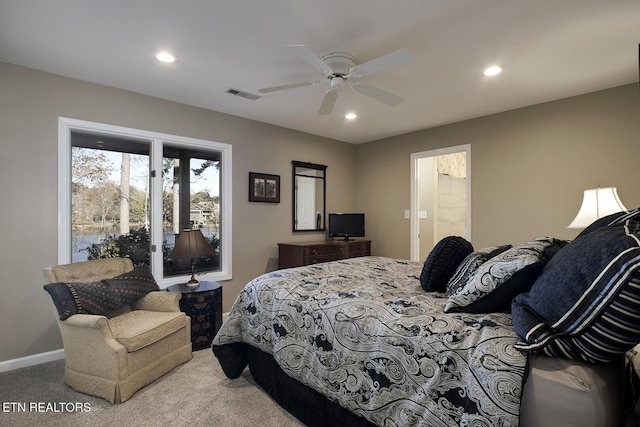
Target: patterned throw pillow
column 82, row 298
column 470, row 264
column 132, row 285
column 442, row 262
column 497, row 281
column 103, row 297
column 585, row 304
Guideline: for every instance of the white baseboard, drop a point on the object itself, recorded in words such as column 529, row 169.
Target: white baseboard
column 34, row 359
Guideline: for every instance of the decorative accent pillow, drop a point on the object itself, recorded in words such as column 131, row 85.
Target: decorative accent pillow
column 585, row 304
column 613, row 219
column 469, row 266
column 102, row 297
column 443, row 261
column 132, row 285
column 82, row 298
column 497, row 281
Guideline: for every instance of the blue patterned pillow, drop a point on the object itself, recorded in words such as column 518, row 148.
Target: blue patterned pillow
column 497, row 281
column 102, row 298
column 442, row 262
column 617, row 218
column 82, row 298
column 585, row 304
column 470, row 265
column 132, row 285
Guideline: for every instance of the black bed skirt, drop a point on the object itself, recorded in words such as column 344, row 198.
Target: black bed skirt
column 306, row 404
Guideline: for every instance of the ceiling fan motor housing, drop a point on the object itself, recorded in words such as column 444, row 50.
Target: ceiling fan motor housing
column 341, row 63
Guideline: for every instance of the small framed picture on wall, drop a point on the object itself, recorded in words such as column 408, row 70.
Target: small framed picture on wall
column 264, row 187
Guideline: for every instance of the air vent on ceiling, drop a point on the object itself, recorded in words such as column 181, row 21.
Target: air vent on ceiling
column 243, row 94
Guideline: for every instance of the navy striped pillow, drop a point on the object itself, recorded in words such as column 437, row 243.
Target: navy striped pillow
column 617, row 218
column 586, row 303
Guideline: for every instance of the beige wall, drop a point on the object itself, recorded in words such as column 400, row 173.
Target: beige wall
column 30, row 104
column 528, row 168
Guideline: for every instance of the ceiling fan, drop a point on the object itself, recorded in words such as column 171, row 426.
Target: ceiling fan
column 337, row 67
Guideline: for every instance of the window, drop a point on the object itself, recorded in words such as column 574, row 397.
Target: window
column 128, row 192
column 190, row 200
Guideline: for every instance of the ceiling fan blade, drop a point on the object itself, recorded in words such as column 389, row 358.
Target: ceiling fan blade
column 377, row 94
column 328, row 102
column 284, row 87
column 393, row 59
column 311, row 58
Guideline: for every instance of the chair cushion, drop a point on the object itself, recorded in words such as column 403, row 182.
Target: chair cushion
column 89, row 271
column 140, row 328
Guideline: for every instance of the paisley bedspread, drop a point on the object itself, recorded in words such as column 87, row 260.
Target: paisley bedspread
column 365, row 334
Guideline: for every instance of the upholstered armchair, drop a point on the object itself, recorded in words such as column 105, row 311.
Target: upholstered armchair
column 131, row 341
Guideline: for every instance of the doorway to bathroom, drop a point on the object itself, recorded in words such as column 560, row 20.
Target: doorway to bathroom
column 440, row 197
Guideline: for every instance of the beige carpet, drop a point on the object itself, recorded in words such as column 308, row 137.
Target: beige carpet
column 194, row 394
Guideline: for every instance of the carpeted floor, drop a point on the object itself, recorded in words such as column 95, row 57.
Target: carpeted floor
column 194, row 394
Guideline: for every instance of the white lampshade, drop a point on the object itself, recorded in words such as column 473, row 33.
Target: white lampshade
column 596, row 203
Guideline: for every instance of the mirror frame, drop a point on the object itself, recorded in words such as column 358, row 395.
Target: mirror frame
column 305, row 165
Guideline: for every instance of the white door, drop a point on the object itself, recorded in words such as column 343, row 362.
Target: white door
column 440, row 197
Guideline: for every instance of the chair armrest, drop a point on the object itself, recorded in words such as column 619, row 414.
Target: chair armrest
column 90, row 347
column 96, row 329
column 95, row 321
column 158, row 301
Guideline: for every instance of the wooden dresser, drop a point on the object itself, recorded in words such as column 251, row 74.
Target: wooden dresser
column 305, row 253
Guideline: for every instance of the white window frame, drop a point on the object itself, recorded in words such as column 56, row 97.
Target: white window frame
column 156, row 141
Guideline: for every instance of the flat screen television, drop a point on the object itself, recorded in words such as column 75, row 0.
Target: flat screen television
column 346, row 225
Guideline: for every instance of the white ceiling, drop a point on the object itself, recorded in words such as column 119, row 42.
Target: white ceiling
column 549, row 49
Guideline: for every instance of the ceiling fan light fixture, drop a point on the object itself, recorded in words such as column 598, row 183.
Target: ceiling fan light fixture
column 166, row 57
column 494, row 70
column 337, row 82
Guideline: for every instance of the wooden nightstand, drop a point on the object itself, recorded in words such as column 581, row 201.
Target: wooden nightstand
column 204, row 306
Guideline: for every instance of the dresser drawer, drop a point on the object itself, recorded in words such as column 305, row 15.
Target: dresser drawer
column 359, row 248
column 299, row 254
column 324, row 250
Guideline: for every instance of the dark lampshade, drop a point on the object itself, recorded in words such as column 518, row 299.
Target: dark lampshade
column 191, row 244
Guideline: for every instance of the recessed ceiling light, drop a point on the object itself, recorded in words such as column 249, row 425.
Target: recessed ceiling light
column 165, row 57
column 492, row 71
column 350, row 116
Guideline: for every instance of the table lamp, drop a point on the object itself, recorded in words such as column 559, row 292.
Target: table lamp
column 191, row 244
column 596, row 203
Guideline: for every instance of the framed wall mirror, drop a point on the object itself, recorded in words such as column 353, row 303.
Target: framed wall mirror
column 309, row 192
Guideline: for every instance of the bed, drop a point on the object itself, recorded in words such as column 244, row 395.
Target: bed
column 451, row 341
